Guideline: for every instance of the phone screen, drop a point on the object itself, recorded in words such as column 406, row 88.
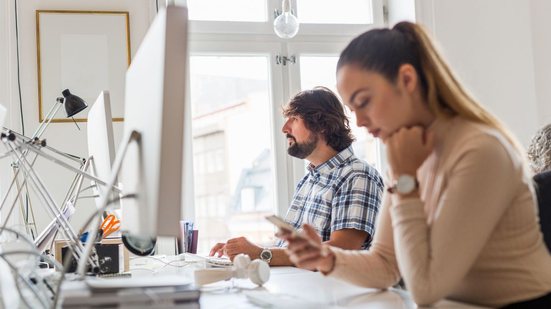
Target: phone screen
column 280, row 223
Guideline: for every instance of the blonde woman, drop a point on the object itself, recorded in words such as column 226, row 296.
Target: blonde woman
column 459, row 219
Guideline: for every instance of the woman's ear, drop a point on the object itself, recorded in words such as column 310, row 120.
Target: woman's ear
column 407, row 77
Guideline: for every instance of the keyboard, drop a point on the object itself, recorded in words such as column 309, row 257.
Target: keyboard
column 219, row 262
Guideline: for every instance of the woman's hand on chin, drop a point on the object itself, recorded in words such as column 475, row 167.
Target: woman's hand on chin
column 407, row 149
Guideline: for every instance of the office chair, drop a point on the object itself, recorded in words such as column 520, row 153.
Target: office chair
column 543, row 191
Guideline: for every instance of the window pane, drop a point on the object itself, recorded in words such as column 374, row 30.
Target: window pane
column 232, row 146
column 320, row 71
column 226, row 10
column 335, row 12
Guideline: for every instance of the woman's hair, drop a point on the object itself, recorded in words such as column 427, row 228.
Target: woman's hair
column 539, row 151
column 323, row 114
column 385, row 50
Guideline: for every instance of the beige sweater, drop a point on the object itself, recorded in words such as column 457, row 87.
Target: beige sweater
column 473, row 236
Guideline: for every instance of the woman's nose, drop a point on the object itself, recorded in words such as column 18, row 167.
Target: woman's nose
column 361, row 121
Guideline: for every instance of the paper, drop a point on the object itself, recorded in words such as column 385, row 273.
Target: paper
column 50, row 231
column 3, row 111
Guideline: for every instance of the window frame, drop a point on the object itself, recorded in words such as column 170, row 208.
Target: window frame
column 241, row 38
column 232, row 27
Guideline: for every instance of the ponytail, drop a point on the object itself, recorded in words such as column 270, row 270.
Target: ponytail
column 385, row 50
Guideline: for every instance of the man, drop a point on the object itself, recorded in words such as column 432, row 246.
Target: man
column 340, row 194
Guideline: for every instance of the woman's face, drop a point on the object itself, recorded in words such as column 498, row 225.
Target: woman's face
column 380, row 106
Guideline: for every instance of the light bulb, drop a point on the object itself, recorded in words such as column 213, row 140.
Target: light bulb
column 286, row 24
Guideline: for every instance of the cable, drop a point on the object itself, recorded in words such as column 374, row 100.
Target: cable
column 18, row 69
column 66, row 264
column 27, row 200
column 20, row 276
column 157, row 5
column 171, row 263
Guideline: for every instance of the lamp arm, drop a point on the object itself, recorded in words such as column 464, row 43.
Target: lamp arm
column 31, row 140
column 67, row 166
column 50, row 203
column 46, row 121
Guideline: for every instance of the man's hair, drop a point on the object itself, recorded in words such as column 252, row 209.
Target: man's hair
column 539, row 151
column 323, row 114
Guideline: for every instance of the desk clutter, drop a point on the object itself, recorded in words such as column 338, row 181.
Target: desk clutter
column 166, row 291
column 257, row 271
column 113, row 257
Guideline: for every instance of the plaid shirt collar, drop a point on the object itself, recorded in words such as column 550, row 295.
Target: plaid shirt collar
column 326, row 167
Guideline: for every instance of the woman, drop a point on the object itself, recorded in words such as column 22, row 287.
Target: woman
column 460, row 219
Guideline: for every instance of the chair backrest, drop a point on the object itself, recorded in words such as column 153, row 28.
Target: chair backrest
column 543, row 191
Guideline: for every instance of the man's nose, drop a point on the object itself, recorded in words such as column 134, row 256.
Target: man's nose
column 285, row 129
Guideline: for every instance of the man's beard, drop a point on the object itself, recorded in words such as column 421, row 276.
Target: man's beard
column 302, row 150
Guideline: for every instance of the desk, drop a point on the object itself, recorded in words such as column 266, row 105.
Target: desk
column 313, row 288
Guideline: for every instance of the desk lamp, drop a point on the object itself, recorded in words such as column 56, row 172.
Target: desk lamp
column 73, row 103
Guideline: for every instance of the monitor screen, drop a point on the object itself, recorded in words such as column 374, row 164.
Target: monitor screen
column 101, row 143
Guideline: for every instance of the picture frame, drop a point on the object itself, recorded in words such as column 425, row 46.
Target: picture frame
column 85, row 52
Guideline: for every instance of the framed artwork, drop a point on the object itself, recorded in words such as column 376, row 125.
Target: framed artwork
column 85, row 52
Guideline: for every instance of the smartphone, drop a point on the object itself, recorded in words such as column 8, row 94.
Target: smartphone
column 280, row 223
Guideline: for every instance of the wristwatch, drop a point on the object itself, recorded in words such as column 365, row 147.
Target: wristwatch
column 266, row 255
column 404, row 185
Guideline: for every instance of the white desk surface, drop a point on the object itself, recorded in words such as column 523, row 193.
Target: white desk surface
column 316, row 290
column 311, row 289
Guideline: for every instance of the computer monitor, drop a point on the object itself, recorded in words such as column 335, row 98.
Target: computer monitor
column 155, row 107
column 101, row 141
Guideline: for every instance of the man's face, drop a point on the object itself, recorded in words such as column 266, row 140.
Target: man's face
column 301, row 142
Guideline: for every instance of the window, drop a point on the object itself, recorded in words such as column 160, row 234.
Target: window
column 232, row 141
column 225, row 10
column 333, row 12
column 242, row 170
column 320, row 70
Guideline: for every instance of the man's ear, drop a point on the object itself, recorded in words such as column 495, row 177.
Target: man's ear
column 407, row 78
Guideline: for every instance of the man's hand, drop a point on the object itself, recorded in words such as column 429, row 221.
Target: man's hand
column 218, row 249
column 239, row 245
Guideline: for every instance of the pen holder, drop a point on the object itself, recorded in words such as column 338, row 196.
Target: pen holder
column 187, row 242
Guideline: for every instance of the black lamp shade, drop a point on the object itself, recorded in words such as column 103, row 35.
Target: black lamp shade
column 73, row 103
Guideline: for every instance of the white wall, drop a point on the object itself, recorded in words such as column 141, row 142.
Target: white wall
column 62, row 136
column 400, row 10
column 490, row 45
column 3, row 56
column 541, row 40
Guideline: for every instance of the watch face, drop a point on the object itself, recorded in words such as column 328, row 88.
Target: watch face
column 405, row 184
column 266, row 255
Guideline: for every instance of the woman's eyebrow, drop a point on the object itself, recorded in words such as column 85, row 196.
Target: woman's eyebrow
column 353, row 96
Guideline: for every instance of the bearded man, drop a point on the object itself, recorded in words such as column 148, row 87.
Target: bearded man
column 340, row 194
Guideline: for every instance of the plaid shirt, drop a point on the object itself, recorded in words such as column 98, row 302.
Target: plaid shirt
column 342, row 193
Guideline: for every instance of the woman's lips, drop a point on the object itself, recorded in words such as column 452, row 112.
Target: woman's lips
column 375, row 133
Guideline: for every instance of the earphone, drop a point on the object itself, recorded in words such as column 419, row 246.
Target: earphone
column 257, row 271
